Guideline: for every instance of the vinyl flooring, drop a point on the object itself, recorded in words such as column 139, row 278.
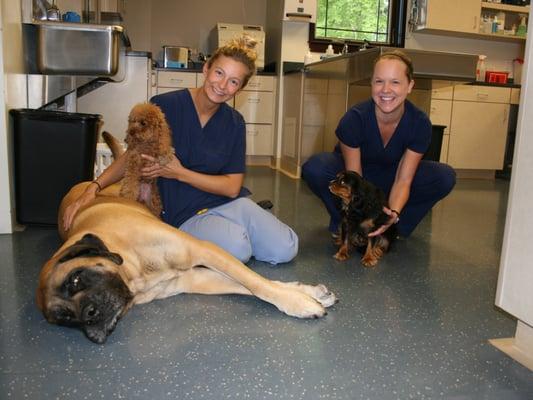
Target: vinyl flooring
column 415, row 327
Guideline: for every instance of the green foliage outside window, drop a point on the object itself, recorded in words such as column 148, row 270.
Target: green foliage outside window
column 356, row 20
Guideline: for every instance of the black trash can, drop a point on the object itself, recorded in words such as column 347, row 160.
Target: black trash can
column 53, row 151
column 433, row 152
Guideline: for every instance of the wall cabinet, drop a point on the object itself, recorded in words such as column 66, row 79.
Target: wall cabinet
column 464, row 17
column 445, row 15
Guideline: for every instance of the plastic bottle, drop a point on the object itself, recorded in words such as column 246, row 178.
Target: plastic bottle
column 522, row 28
column 495, row 24
column 481, row 68
column 329, row 51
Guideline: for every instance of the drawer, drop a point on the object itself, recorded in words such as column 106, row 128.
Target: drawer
column 255, row 107
column 484, row 94
column 259, row 140
column 176, row 79
column 442, row 90
column 260, row 83
column 515, row 96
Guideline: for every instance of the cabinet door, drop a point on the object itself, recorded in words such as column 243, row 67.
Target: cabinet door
column 259, row 140
column 255, row 107
column 454, row 15
column 478, row 135
column 441, row 113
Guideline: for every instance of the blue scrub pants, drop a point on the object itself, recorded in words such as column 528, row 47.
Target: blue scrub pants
column 432, row 182
column 244, row 229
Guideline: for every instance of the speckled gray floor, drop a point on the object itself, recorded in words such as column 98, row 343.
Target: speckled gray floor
column 415, row 327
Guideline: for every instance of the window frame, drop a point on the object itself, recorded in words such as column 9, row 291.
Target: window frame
column 398, row 17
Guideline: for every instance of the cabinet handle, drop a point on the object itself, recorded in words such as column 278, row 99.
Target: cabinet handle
column 177, row 80
column 253, row 101
column 505, row 115
column 253, row 132
column 253, row 84
column 475, row 23
column 483, row 96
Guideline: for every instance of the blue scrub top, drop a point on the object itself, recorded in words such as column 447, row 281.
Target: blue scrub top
column 216, row 149
column 358, row 128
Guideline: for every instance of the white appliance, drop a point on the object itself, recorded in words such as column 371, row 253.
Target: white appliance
column 300, row 10
column 224, row 32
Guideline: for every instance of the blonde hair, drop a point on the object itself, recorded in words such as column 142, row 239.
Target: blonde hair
column 400, row 56
column 239, row 49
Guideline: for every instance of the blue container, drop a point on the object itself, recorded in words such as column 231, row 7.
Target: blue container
column 71, row 16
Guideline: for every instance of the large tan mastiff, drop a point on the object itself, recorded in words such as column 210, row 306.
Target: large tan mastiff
column 117, row 254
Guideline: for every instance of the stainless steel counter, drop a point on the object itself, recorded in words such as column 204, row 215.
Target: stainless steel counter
column 316, row 98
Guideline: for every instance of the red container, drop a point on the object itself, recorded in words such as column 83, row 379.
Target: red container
column 496, row 76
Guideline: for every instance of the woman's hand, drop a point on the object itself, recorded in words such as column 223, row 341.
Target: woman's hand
column 153, row 169
column 393, row 218
column 87, row 196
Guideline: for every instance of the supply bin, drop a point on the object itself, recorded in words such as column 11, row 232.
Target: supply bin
column 433, row 152
column 52, row 152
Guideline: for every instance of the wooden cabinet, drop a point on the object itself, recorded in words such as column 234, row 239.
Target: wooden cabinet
column 477, row 119
column 465, row 18
column 256, row 104
column 479, row 125
column 453, row 15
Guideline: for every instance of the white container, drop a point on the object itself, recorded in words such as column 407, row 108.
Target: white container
column 329, row 51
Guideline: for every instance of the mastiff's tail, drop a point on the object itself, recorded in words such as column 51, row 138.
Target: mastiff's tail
column 114, row 144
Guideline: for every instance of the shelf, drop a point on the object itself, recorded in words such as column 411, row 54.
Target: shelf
column 484, row 36
column 505, row 7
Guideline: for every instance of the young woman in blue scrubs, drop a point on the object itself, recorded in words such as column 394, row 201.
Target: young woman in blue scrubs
column 384, row 140
column 201, row 188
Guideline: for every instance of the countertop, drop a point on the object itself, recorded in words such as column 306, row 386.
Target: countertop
column 290, row 67
column 199, row 69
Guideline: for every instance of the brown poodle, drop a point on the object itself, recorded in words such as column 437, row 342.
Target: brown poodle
column 148, row 133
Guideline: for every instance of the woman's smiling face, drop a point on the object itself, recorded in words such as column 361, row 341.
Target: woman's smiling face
column 224, row 79
column 390, row 85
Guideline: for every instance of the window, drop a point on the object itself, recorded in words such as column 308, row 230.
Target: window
column 379, row 22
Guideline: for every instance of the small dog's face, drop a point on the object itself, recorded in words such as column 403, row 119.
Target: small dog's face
column 347, row 186
column 145, row 122
column 83, row 289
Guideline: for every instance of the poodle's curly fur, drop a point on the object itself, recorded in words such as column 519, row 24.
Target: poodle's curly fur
column 148, row 133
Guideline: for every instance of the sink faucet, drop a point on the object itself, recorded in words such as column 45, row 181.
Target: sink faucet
column 345, row 48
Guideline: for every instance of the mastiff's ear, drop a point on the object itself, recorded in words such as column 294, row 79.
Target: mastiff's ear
column 90, row 246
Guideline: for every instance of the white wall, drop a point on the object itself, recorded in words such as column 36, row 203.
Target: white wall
column 184, row 22
column 13, row 95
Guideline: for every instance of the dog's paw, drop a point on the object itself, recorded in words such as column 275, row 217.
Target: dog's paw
column 304, row 306
column 369, row 261
column 319, row 292
column 324, row 296
column 340, row 256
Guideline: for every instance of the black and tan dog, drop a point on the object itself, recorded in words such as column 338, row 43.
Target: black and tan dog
column 362, row 213
column 117, row 254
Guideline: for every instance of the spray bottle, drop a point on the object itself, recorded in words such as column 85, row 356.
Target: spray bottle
column 481, row 68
